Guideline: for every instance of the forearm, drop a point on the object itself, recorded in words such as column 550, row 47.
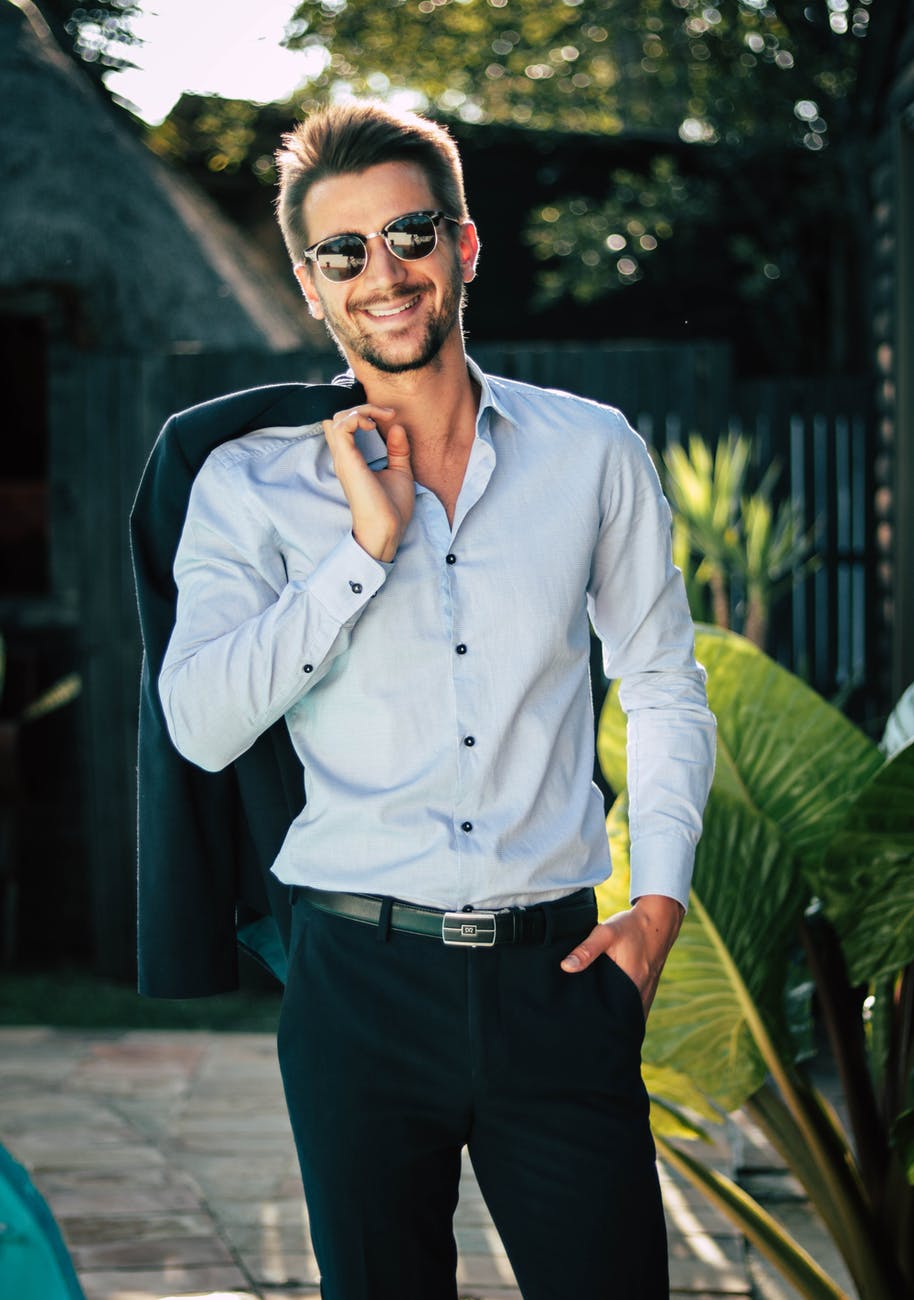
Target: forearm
column 671, row 745
column 222, row 688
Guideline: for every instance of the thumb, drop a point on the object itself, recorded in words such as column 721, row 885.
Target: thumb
column 398, row 448
column 588, row 951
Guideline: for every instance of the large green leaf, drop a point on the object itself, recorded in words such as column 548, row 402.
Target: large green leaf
column 903, row 1141
column 867, row 881
column 728, row 957
column 780, row 747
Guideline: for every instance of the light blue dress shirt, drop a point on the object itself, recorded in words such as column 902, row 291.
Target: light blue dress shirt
column 441, row 705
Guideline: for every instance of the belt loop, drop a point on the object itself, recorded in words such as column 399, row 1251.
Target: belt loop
column 383, row 931
column 548, row 924
column 293, row 894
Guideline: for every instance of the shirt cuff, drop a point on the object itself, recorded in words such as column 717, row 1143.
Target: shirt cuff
column 346, row 579
column 662, row 864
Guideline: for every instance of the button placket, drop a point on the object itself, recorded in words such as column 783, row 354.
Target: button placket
column 465, row 739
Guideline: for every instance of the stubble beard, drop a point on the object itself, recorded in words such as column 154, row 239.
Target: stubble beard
column 371, row 349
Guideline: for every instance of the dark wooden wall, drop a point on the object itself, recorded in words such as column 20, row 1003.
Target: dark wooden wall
column 892, row 309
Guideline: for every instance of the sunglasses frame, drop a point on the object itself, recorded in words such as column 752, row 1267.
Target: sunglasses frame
column 311, row 254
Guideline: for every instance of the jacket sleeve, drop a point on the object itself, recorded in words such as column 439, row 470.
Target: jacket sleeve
column 206, row 841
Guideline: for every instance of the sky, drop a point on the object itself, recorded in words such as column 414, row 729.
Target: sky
column 224, row 47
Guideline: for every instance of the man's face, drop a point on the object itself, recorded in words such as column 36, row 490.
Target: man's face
column 396, row 316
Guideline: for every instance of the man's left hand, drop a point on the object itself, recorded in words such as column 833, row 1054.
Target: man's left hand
column 638, row 941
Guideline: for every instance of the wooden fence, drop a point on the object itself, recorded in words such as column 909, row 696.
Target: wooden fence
column 106, row 412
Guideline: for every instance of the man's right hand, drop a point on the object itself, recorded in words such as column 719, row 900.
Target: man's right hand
column 381, row 501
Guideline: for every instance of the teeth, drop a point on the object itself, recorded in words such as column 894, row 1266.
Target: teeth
column 392, row 311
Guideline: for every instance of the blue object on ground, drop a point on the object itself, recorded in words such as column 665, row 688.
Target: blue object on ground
column 34, row 1263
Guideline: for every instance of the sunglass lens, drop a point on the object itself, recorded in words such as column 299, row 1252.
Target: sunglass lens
column 342, row 258
column 411, row 237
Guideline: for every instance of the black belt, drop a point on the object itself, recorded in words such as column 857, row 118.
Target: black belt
column 535, row 924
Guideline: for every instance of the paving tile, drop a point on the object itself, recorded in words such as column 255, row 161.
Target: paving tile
column 772, row 1186
column 481, row 1239
column 39, row 1158
column 688, row 1211
column 162, row 1284
column 503, row 1293
column 144, row 1241
column 157, row 1189
column 192, row 1252
column 234, row 1177
column 490, row 1270
column 284, row 1212
column 251, row 1237
column 278, row 1268
column 705, row 1263
column 303, row 1293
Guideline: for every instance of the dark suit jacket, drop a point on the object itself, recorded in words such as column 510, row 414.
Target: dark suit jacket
column 207, row 840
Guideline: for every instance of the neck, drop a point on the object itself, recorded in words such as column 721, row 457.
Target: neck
column 436, row 405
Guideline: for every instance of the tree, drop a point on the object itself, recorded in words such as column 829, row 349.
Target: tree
column 100, row 34
column 746, row 70
column 736, row 83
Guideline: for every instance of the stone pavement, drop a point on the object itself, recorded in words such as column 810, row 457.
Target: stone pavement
column 167, row 1160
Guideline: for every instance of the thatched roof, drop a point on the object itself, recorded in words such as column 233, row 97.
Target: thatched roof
column 142, row 259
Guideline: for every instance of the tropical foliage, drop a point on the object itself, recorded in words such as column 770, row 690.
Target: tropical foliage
column 808, row 844
column 735, row 543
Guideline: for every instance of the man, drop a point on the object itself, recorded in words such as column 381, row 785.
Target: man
column 408, row 585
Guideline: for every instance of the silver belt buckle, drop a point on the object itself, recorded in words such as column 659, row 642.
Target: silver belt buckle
column 468, row 929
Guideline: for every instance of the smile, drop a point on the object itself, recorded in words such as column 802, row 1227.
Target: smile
column 391, row 311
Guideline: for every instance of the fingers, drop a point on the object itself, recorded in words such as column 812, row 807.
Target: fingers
column 397, row 447
column 341, row 428
column 363, row 416
column 594, row 946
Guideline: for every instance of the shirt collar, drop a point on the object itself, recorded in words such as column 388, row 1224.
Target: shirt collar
column 487, row 399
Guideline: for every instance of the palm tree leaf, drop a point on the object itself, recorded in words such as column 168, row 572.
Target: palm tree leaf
column 866, row 883
column 781, row 748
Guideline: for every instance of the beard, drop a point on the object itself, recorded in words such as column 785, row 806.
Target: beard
column 385, row 354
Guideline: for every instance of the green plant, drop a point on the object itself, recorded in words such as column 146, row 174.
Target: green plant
column 740, row 540
column 809, row 834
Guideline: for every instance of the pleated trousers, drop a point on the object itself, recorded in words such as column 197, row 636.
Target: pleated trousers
column 397, row 1051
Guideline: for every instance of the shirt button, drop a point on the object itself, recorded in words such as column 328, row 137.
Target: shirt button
column 469, row 741
column 451, row 559
column 461, row 649
column 466, row 827
column 308, row 668
column 356, row 587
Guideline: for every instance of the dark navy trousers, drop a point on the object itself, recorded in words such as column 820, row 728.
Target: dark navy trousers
column 396, row 1051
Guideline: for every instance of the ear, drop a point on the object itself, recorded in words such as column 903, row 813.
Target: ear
column 468, row 250
column 305, row 278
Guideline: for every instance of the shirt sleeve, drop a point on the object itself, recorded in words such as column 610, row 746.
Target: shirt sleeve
column 638, row 606
column 247, row 643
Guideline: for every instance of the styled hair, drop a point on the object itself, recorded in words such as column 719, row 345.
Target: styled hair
column 350, row 137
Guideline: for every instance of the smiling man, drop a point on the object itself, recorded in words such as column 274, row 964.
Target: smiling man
column 408, row 584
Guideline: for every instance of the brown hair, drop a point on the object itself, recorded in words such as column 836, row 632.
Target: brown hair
column 351, row 137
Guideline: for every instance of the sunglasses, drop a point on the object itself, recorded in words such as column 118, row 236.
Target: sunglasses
column 409, row 238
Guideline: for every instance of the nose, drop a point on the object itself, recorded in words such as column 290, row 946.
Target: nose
column 382, row 266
